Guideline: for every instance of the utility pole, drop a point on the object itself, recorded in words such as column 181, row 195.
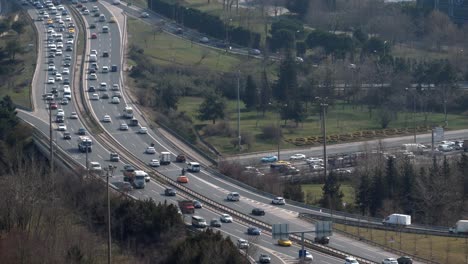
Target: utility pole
column 51, row 145
column 238, row 111
column 109, row 173
column 414, row 117
column 323, row 106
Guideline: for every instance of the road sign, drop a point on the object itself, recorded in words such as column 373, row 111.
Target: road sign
column 323, row 228
column 280, row 231
column 438, row 134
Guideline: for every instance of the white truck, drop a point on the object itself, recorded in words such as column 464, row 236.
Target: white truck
column 193, row 166
column 165, row 158
column 461, row 227
column 128, row 112
column 397, row 219
column 85, row 144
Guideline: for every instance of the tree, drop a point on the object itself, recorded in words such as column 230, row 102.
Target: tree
column 212, row 107
column 293, row 191
column 363, row 196
column 332, row 196
column 13, row 47
column 463, row 172
column 251, row 93
column 18, row 26
column 283, row 39
column 391, row 178
column 265, row 92
column 168, row 97
column 8, row 118
column 377, row 193
column 4, row 26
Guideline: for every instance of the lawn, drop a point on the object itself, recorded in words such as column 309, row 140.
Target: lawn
column 313, row 193
column 341, row 119
column 440, row 249
column 166, row 49
column 18, row 84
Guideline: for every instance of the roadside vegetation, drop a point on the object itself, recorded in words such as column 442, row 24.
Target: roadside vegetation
column 18, row 56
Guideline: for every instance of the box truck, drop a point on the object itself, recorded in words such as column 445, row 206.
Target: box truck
column 165, row 158
column 397, row 219
column 461, row 227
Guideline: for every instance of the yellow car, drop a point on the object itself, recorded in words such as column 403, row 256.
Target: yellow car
column 71, row 30
column 50, row 21
column 112, row 20
column 285, row 242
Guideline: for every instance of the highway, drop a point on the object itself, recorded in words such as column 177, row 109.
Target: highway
column 203, row 182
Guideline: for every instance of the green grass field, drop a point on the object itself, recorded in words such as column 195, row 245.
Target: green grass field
column 340, row 119
column 165, row 49
column 438, row 248
column 18, row 84
column 313, row 193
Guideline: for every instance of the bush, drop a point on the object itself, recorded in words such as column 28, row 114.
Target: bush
column 222, row 128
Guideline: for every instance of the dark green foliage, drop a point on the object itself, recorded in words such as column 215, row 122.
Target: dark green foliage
column 391, row 178
column 8, row 118
column 18, row 26
column 205, row 247
column 377, row 193
column 332, row 196
column 338, row 45
column 282, row 39
column 300, row 7
column 212, row 107
column 463, row 172
column 293, row 192
column 251, row 93
column 301, row 48
column 363, row 197
column 286, row 23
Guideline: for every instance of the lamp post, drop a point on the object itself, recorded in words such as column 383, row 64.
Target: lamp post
column 323, row 105
column 238, row 111
column 414, row 113
column 278, row 129
column 109, row 173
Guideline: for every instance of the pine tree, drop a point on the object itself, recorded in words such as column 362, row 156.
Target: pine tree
column 332, row 196
column 391, row 178
column 463, row 169
column 364, row 193
column 407, row 187
column 377, row 193
column 251, row 93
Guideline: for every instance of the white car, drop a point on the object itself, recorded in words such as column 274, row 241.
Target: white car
column 123, row 126
column 314, row 161
column 67, row 18
column 95, row 166
column 95, row 96
column 143, row 130
column 61, row 112
column 154, row 163
column 225, row 218
column 62, row 127
column 73, row 115
column 115, row 100
column 297, row 156
column 70, row 41
column 144, row 15
column 106, row 119
column 51, row 80
column 92, row 76
column 308, row 256
column 115, row 87
column 278, row 200
column 103, row 86
column 58, row 52
column 390, row 261
column 317, row 167
column 234, row 196
column 351, row 260
column 150, row 150
column 66, row 71
column 58, row 77
column 242, row 243
column 93, row 52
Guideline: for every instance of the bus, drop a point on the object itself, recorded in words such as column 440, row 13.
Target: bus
column 67, row 92
column 198, row 222
column 128, row 112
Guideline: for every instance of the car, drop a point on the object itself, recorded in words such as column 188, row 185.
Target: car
column 144, row 15
column 317, row 167
column 123, row 126
column 114, row 157
column 70, row 41
column 297, row 156
column 112, row 19
column 62, row 127
column 182, row 179
column 343, row 171
column 51, row 80
column 106, row 119
column 150, row 150
column 105, row 54
column 93, row 36
column 143, row 130
column 115, row 100
column 204, row 40
column 58, row 53
column 312, row 161
column 81, row 131
column 272, row 158
column 258, row 211
column 197, row 204
column 405, row 260
column 92, row 26
column 242, row 243
column 351, row 260
column 180, row 158
column 322, row 240
column 264, row 258
column 255, row 231
column 154, row 162
column 58, row 77
column 233, row 196
column 103, row 86
column 105, row 69
column 69, row 48
column 66, row 135
column 225, row 218
column 147, row 177
column 117, row 94
column 115, row 87
column 255, row 52
column 66, row 81
column 390, row 261
column 95, row 166
column 308, row 256
column 125, row 186
column 66, row 71
column 92, row 89
column 86, row 12
column 105, row 96
column 169, row 192
column 95, row 96
column 71, row 30
column 64, row 101
column 278, row 200
column 285, row 242
column 60, row 112
column 215, row 223
column 92, row 76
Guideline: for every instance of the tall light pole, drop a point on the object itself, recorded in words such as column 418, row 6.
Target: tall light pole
column 109, row 173
column 238, row 111
column 323, row 105
column 414, row 113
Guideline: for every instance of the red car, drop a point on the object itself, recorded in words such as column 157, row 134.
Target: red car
column 53, row 106
column 94, row 36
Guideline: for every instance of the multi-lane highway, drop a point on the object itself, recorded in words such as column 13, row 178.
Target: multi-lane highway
column 204, row 182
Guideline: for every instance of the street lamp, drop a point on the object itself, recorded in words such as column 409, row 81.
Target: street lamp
column 323, row 105
column 414, row 112
column 278, row 129
column 109, row 173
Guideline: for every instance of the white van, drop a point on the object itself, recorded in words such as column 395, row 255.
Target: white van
column 92, row 58
column 193, row 166
column 102, row 18
column 67, row 92
column 198, row 222
column 105, row 29
column 234, row 196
